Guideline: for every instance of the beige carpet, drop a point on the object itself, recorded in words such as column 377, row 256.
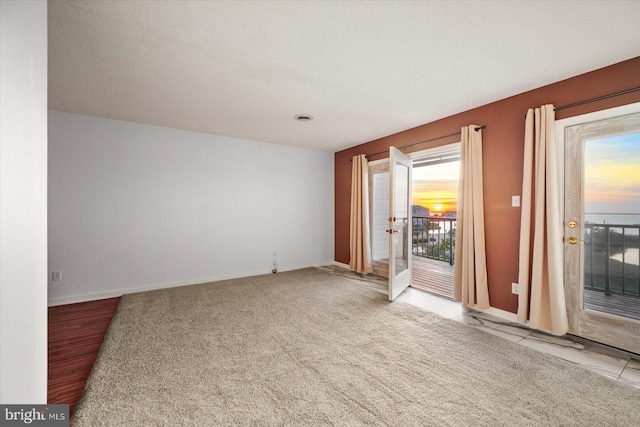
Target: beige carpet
column 313, row 348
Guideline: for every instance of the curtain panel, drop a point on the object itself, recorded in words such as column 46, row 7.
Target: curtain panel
column 470, row 269
column 541, row 298
column 360, row 241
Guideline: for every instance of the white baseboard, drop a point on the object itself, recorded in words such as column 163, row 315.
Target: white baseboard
column 343, row 265
column 72, row 299
column 511, row 317
column 84, row 298
column 502, row 314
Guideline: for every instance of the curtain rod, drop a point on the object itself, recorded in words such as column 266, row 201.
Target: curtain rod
column 404, row 147
column 599, row 98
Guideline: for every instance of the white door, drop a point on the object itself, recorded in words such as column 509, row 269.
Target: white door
column 602, row 217
column 399, row 222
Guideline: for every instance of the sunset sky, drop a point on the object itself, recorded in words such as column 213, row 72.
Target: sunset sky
column 612, row 178
column 436, row 187
column 612, row 175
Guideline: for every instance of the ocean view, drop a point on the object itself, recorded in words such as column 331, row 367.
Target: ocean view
column 612, row 218
column 631, row 254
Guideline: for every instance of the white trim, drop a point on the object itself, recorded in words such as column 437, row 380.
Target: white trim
column 132, row 290
column 595, row 116
column 341, row 264
column 511, row 317
column 502, row 314
column 378, row 162
column 436, row 151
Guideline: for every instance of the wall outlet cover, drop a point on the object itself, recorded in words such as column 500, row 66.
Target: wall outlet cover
column 515, row 288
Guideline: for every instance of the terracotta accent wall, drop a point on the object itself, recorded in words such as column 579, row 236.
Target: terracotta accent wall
column 502, row 155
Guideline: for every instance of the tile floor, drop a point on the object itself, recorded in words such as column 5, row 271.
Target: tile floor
column 607, row 361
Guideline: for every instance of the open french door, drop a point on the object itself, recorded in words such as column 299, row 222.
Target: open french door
column 399, row 222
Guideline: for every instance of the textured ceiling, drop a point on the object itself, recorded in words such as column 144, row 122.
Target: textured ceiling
column 363, row 69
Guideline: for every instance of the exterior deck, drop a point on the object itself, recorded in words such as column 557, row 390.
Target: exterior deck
column 432, row 276
column 617, row 304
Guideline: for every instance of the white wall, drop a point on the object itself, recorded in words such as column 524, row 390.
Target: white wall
column 23, row 202
column 135, row 207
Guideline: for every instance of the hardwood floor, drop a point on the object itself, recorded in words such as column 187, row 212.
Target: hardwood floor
column 76, row 332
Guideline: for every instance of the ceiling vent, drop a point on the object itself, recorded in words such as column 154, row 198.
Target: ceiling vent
column 304, row 118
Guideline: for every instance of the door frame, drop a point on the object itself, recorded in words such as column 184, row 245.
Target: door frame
column 381, row 268
column 598, row 326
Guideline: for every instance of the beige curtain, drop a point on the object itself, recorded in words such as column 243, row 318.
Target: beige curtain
column 540, row 277
column 360, row 242
column 470, row 267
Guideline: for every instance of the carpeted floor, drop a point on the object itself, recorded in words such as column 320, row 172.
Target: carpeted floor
column 313, row 348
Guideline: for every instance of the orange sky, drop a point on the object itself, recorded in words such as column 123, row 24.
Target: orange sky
column 612, row 177
column 436, row 187
column 612, row 180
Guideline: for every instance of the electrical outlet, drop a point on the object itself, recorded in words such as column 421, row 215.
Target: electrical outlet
column 56, row 276
column 515, row 288
column 515, row 201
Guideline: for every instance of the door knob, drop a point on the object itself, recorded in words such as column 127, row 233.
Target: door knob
column 573, row 240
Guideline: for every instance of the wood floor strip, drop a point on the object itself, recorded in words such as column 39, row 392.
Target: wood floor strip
column 76, row 333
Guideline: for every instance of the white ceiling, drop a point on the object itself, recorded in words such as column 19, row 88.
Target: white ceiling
column 364, row 70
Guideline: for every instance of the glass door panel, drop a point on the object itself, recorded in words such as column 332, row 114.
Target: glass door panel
column 611, row 224
column 379, row 209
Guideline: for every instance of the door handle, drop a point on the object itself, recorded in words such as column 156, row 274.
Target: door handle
column 574, row 240
column 391, row 231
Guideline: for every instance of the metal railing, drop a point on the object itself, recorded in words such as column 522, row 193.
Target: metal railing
column 434, row 237
column 607, row 248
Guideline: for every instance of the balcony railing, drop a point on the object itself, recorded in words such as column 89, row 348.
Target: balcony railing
column 608, row 248
column 434, row 237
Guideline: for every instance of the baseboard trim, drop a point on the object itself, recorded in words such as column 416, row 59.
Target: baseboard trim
column 341, row 264
column 513, row 317
column 502, row 314
column 123, row 291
